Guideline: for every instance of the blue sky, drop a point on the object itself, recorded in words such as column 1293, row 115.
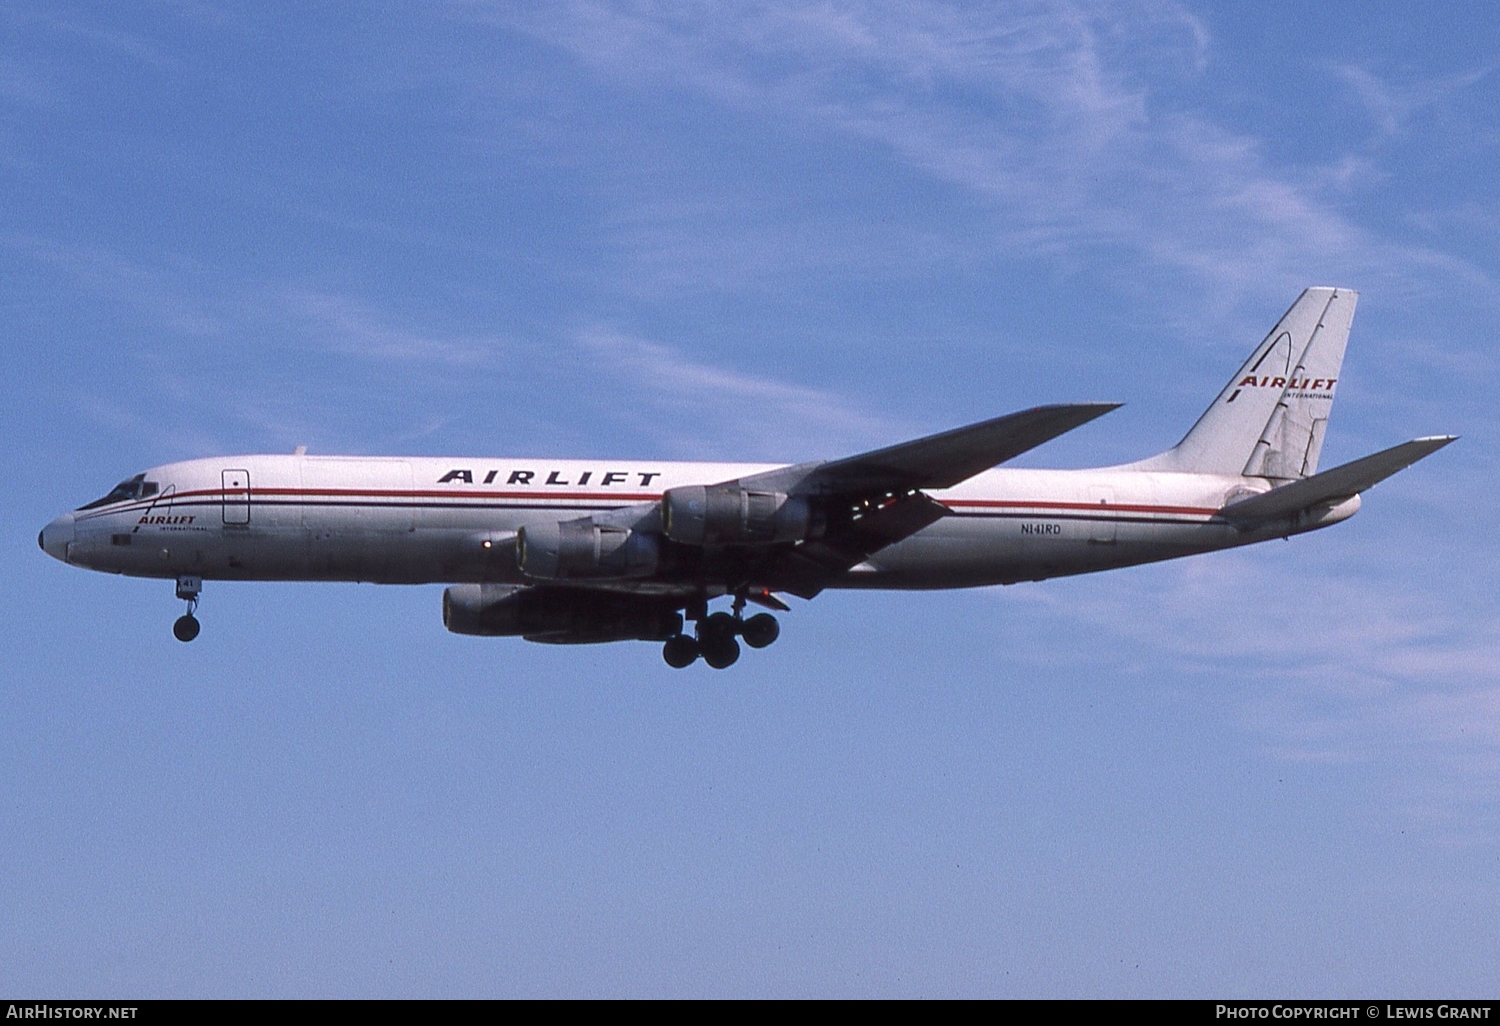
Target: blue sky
column 731, row 231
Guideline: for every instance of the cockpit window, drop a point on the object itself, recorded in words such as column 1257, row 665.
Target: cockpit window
column 136, row 488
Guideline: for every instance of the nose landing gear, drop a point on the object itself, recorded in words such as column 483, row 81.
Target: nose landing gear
column 715, row 636
column 188, row 589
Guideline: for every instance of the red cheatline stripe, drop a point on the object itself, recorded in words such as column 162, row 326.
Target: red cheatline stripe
column 351, row 493
column 345, row 492
column 542, row 493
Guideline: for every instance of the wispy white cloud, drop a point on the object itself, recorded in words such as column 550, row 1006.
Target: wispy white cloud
column 675, row 400
column 679, row 403
column 1391, row 105
column 1055, row 115
column 356, row 328
column 1328, row 667
column 167, row 296
column 757, row 411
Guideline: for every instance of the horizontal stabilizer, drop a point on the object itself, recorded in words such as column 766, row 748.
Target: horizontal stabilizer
column 1333, row 485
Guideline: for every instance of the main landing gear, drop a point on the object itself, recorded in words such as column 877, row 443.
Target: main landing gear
column 715, row 636
column 186, row 628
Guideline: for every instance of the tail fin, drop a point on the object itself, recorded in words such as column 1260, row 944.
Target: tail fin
column 1270, row 419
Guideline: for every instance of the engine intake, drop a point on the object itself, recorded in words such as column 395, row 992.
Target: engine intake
column 583, row 548
column 557, row 616
column 731, row 515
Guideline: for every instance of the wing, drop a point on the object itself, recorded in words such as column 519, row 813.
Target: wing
column 1332, row 485
column 876, row 499
column 937, row 461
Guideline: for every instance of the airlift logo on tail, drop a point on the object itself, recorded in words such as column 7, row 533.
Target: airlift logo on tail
column 1322, row 386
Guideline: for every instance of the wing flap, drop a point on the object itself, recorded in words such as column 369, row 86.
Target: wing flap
column 1333, row 485
column 809, row 567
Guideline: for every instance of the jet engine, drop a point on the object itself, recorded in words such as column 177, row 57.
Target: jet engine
column 557, row 616
column 583, row 548
column 728, row 514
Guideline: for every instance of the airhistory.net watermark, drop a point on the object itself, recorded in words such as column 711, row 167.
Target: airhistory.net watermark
column 44, row 1010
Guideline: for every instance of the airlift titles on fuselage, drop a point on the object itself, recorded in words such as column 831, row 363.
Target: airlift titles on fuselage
column 572, row 552
column 554, row 477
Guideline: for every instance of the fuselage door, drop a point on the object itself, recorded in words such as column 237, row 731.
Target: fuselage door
column 236, row 498
column 1102, row 523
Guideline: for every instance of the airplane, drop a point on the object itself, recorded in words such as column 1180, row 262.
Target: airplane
column 585, row 551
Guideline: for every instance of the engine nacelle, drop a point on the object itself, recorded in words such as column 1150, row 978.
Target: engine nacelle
column 731, row 515
column 557, row 616
column 583, row 548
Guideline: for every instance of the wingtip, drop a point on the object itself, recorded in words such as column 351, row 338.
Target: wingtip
column 1078, row 414
column 1082, row 412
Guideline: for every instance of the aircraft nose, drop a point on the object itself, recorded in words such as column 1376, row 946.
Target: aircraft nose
column 55, row 537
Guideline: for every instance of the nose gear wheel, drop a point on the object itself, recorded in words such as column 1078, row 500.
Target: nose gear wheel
column 187, row 627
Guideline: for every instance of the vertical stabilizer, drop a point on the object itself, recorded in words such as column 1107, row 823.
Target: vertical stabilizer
column 1293, row 438
column 1270, row 419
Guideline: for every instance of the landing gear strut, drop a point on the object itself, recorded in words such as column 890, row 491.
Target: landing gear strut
column 715, row 634
column 188, row 589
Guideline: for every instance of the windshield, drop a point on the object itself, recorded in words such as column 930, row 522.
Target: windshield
column 135, row 488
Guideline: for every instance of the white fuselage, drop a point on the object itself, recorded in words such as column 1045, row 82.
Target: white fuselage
column 446, row 520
